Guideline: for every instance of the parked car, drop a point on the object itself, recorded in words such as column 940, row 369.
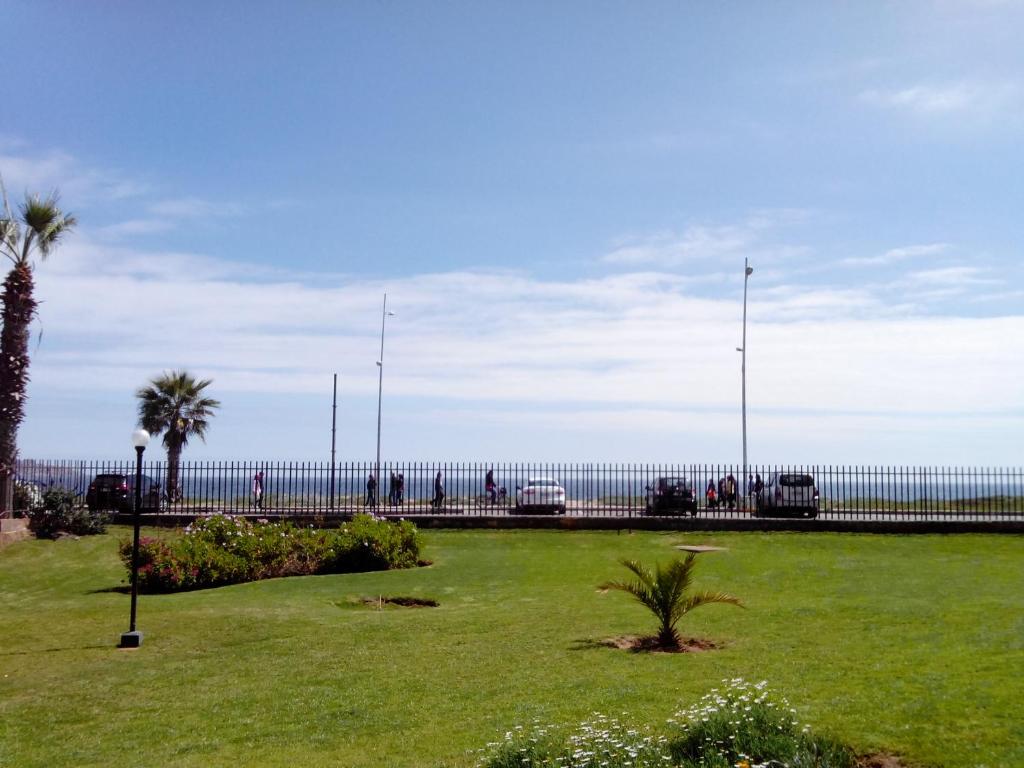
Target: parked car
column 671, row 496
column 540, row 494
column 117, row 492
column 788, row 493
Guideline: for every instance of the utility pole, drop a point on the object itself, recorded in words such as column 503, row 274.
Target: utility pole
column 747, row 272
column 334, row 423
column 380, row 387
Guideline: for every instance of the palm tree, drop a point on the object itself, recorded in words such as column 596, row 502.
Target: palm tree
column 664, row 592
column 36, row 230
column 174, row 405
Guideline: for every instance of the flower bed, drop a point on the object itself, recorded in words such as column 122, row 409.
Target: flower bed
column 740, row 725
column 219, row 550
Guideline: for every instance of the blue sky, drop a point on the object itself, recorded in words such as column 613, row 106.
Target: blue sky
column 558, row 199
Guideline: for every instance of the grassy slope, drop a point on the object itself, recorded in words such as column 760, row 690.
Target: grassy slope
column 913, row 644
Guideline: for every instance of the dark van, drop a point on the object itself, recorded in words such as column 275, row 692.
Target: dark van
column 671, row 496
column 117, row 492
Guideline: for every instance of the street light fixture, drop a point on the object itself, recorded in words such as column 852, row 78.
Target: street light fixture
column 747, row 272
column 384, row 315
column 140, row 439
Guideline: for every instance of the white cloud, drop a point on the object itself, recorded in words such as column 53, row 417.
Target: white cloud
column 638, row 338
column 980, row 99
column 697, row 243
column 41, row 172
column 901, row 254
column 194, row 207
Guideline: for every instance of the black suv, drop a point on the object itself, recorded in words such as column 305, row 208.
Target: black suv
column 117, row 492
column 671, row 496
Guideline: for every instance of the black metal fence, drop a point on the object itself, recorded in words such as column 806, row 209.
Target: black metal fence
column 609, row 490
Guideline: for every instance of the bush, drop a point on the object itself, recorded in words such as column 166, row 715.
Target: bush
column 739, row 726
column 746, row 725
column 27, row 497
column 60, row 514
column 220, row 550
column 601, row 741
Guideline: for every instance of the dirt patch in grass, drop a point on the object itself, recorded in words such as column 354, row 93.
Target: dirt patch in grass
column 402, row 602
column 880, row 760
column 651, row 644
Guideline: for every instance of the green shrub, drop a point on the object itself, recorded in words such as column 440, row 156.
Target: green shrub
column 369, row 544
column 27, row 497
column 738, row 726
column 742, row 724
column 60, row 514
column 601, row 741
column 220, row 549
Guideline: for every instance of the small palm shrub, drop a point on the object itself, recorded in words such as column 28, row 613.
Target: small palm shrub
column 221, row 549
column 665, row 591
column 59, row 513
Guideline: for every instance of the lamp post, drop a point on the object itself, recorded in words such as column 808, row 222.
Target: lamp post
column 747, row 272
column 380, row 389
column 140, row 439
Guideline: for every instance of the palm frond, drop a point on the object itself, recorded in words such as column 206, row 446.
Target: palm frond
column 664, row 591
column 44, row 222
column 10, row 232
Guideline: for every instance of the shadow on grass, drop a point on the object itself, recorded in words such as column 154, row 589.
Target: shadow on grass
column 106, row 646
column 124, row 589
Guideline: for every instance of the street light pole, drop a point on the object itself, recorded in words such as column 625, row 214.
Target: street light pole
column 747, row 271
column 131, row 638
column 334, row 423
column 380, row 388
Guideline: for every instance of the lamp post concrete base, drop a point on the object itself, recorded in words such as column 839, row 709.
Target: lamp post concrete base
column 130, row 640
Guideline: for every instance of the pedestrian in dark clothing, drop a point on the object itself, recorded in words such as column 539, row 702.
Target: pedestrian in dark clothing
column 401, row 487
column 371, row 491
column 730, row 490
column 393, row 489
column 257, row 490
column 438, row 491
column 492, row 489
column 721, row 491
column 710, row 495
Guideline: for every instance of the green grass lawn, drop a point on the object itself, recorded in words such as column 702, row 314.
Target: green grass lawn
column 911, row 644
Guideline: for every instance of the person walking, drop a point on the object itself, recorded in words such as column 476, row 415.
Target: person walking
column 710, row 496
column 438, row 491
column 393, row 490
column 257, row 490
column 492, row 489
column 730, row 490
column 371, row 491
column 401, row 487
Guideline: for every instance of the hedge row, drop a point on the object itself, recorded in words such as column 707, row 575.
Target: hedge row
column 221, row 549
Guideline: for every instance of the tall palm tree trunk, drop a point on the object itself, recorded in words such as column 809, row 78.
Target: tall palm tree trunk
column 19, row 307
column 173, row 462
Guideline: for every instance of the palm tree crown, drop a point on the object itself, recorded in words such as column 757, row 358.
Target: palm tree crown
column 665, row 592
column 39, row 227
column 174, row 405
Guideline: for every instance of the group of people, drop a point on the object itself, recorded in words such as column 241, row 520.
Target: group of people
column 396, row 489
column 724, row 495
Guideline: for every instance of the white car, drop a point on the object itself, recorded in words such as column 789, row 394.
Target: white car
column 788, row 492
column 540, row 494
